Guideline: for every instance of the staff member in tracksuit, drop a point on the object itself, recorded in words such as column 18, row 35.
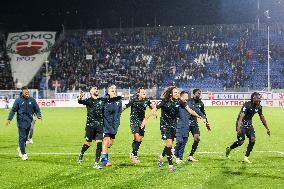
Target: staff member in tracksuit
column 25, row 106
column 112, row 112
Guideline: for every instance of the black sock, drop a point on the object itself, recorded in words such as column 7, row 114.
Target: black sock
column 249, row 148
column 138, row 145
column 84, row 148
column 135, row 146
column 164, row 151
column 193, row 148
column 99, row 151
column 169, row 155
column 235, row 145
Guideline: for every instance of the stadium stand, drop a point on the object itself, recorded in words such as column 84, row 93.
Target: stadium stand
column 218, row 57
column 6, row 79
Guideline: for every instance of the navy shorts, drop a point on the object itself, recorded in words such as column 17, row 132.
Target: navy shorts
column 194, row 130
column 112, row 136
column 93, row 133
column 168, row 133
column 136, row 128
column 246, row 131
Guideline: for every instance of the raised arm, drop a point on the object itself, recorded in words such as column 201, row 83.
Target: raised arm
column 127, row 105
column 81, row 100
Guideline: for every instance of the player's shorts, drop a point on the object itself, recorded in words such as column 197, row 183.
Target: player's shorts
column 249, row 132
column 136, row 128
column 112, row 136
column 168, row 133
column 194, row 130
column 93, row 133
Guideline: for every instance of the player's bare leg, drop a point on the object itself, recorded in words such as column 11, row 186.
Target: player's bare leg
column 108, row 142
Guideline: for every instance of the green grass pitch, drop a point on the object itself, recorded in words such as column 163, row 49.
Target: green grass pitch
column 58, row 140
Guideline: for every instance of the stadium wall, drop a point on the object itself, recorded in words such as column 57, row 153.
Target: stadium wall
column 209, row 99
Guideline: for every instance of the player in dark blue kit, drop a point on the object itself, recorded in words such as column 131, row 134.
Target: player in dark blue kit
column 169, row 113
column 184, row 126
column 197, row 104
column 138, row 107
column 94, row 124
column 112, row 113
column 244, row 126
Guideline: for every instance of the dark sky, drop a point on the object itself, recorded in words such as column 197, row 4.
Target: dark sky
column 74, row 14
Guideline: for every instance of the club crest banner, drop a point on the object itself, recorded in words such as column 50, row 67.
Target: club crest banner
column 28, row 51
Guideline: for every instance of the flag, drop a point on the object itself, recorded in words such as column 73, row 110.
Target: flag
column 266, row 13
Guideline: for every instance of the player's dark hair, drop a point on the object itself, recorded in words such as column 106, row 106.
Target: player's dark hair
column 138, row 91
column 253, row 95
column 168, row 93
column 92, row 87
column 24, row 88
column 183, row 92
column 195, row 91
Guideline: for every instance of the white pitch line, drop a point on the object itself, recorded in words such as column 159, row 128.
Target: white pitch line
column 271, row 151
column 76, row 153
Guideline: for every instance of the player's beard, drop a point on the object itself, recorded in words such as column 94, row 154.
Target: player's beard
column 95, row 94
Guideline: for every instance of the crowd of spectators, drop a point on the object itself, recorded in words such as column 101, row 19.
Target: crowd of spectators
column 6, row 79
column 157, row 57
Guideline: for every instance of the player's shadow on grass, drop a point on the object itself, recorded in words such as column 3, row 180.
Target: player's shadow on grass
column 11, row 157
column 55, row 160
column 59, row 179
column 228, row 170
column 139, row 165
column 10, row 147
column 229, row 173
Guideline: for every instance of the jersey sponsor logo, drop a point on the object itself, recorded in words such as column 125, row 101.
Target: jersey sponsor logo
column 145, row 104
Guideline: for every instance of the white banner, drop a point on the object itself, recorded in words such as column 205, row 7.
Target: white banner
column 53, row 103
column 28, row 51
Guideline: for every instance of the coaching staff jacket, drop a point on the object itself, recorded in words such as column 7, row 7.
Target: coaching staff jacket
column 112, row 112
column 184, row 120
column 25, row 108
